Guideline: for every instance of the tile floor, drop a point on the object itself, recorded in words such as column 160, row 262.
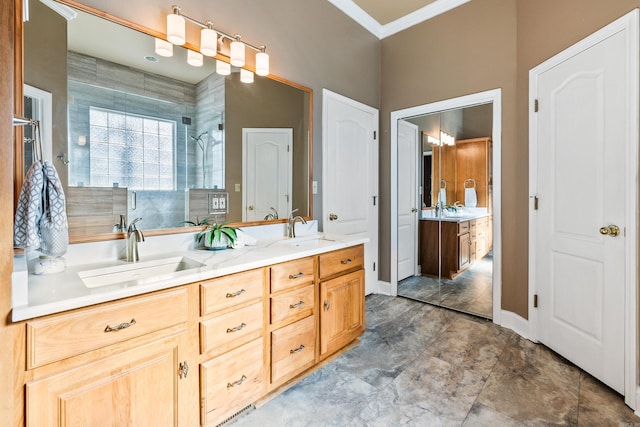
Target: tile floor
column 470, row 292
column 421, row 365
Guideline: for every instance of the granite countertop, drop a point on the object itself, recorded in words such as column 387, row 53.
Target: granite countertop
column 58, row 292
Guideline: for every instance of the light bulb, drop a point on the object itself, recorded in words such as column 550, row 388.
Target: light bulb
column 176, row 29
column 164, row 48
column 246, row 76
column 223, row 68
column 194, row 58
column 237, row 53
column 262, row 64
column 208, row 42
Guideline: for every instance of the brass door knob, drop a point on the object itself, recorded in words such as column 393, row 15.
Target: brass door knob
column 333, row 217
column 250, row 207
column 610, row 230
column 414, row 210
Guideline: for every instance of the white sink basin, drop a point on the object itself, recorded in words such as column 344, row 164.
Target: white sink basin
column 138, row 273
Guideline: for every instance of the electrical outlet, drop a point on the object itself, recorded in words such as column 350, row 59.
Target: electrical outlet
column 314, row 187
column 222, row 203
column 237, row 188
column 214, row 203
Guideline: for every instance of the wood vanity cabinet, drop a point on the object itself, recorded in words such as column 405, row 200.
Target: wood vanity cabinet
column 232, row 344
column 341, row 298
column 120, row 363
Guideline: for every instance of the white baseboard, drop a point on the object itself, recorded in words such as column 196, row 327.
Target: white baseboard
column 384, row 288
column 515, row 322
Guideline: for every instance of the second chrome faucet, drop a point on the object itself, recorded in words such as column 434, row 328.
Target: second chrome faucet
column 134, row 236
column 292, row 223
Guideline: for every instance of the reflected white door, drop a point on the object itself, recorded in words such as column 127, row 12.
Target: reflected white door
column 408, row 157
column 585, row 181
column 350, row 175
column 267, row 159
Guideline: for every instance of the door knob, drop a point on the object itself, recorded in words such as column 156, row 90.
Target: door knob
column 414, row 210
column 250, row 207
column 611, row 230
column 333, row 217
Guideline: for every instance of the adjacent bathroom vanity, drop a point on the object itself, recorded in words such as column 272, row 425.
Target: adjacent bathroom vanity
column 452, row 244
column 194, row 348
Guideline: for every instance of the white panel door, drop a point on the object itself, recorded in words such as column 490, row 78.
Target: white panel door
column 350, row 175
column 582, row 179
column 267, row 172
column 408, row 157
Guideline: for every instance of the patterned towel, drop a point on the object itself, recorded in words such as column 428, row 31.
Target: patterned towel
column 41, row 219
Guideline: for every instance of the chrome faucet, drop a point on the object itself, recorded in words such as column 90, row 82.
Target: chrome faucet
column 133, row 237
column 273, row 215
column 292, row 223
column 122, row 226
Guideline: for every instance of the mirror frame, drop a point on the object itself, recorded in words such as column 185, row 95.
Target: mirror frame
column 19, row 110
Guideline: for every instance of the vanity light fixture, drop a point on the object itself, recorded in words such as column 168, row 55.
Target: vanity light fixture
column 209, row 38
column 246, row 76
column 223, row 68
column 433, row 141
column 164, row 48
column 447, row 139
column 194, row 59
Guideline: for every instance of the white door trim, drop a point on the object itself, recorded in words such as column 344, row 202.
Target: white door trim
column 493, row 96
column 44, row 107
column 629, row 24
column 373, row 284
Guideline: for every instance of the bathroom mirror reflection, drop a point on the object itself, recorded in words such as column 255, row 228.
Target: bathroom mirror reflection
column 455, row 223
column 142, row 135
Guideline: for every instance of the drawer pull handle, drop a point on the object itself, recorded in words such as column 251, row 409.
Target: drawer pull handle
column 296, row 305
column 346, row 261
column 236, row 383
column 120, row 326
column 236, row 328
column 297, row 350
column 296, row 276
column 236, row 293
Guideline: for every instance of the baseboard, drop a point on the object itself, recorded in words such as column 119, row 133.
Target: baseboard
column 384, row 288
column 515, row 322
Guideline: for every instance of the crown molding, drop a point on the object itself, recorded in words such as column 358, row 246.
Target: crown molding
column 356, row 13
column 65, row 11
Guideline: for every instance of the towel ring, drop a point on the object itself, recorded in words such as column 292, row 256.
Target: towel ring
column 471, row 181
column 443, row 184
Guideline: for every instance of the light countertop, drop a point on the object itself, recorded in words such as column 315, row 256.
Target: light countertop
column 58, row 292
column 466, row 216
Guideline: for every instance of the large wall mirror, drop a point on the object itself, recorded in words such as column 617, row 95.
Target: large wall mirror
column 454, row 182
column 135, row 134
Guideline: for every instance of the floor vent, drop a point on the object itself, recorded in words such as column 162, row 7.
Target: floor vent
column 244, row 411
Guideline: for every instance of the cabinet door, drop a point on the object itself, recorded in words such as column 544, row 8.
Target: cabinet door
column 341, row 311
column 464, row 251
column 140, row 387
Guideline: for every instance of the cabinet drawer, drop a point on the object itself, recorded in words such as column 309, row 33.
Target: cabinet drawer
column 231, row 381
column 341, row 260
column 463, row 227
column 66, row 335
column 231, row 330
column 290, row 274
column 293, row 349
column 293, row 304
column 228, row 291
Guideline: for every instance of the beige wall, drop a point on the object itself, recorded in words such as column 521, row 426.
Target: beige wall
column 309, row 42
column 483, row 45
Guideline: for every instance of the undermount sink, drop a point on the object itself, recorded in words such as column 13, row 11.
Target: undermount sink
column 137, row 273
column 313, row 240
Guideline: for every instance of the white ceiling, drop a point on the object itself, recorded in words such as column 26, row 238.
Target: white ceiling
column 386, row 17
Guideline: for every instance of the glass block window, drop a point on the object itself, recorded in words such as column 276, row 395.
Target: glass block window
column 131, row 150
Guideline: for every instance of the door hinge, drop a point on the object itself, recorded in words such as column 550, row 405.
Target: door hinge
column 375, row 134
column 536, row 105
column 535, row 301
column 535, row 202
column 374, row 266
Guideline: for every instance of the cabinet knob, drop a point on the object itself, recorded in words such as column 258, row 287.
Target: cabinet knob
column 333, row 217
column 183, row 369
column 238, row 382
column 296, row 305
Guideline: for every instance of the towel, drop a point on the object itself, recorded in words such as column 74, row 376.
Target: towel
column 442, row 196
column 41, row 219
column 470, row 197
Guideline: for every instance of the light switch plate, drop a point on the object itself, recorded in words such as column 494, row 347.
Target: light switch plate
column 218, row 202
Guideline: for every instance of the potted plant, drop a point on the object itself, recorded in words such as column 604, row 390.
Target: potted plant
column 215, row 236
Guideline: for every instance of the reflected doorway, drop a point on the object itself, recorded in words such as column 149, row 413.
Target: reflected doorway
column 458, row 212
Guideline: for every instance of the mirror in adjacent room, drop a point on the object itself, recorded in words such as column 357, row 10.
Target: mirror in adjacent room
column 143, row 135
column 455, row 224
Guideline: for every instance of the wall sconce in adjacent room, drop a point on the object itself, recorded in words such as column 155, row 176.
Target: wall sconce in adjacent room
column 223, row 68
column 447, row 139
column 194, row 59
column 164, row 48
column 209, row 37
column 433, row 141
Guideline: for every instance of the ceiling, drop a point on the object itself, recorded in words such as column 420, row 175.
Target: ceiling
column 385, row 17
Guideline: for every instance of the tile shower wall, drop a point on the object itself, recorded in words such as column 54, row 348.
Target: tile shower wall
column 94, row 82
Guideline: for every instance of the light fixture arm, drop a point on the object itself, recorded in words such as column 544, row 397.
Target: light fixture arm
column 209, row 24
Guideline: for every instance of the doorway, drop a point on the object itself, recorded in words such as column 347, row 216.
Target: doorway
column 454, row 222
